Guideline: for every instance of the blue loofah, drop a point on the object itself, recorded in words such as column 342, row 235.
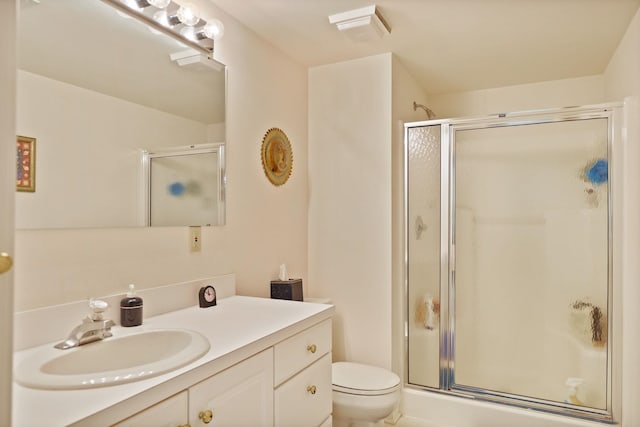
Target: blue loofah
column 176, row 189
column 599, row 172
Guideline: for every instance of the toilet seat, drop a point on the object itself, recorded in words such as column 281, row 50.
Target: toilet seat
column 365, row 380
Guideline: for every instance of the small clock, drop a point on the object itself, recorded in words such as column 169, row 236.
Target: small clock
column 207, row 296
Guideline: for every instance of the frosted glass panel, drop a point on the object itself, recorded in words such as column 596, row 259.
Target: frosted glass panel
column 423, row 239
column 531, row 265
column 184, row 190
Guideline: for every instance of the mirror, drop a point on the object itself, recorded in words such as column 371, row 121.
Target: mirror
column 96, row 90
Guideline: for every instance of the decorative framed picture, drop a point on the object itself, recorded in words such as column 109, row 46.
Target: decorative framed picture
column 277, row 158
column 26, row 164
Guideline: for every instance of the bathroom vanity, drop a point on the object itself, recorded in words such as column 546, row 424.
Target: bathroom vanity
column 269, row 364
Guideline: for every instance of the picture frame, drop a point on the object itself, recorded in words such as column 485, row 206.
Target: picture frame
column 25, row 164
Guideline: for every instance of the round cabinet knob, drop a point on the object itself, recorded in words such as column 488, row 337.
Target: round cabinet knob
column 5, row 262
column 184, row 425
column 206, row 416
column 312, row 348
column 311, row 389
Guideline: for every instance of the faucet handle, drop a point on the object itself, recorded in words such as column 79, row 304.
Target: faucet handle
column 97, row 307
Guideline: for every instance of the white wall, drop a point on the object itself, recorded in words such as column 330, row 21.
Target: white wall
column 350, row 203
column 622, row 75
column 266, row 225
column 622, row 81
column 549, row 94
column 356, row 114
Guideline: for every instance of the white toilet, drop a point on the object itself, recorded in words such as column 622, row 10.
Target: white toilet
column 363, row 395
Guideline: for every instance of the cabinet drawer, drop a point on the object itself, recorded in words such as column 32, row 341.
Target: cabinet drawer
column 305, row 400
column 295, row 353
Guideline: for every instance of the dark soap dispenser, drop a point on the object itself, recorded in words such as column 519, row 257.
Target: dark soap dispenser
column 131, row 309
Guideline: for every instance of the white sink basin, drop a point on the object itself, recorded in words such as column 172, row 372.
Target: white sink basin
column 112, row 361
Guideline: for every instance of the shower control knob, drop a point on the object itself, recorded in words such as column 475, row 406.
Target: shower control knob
column 206, row 416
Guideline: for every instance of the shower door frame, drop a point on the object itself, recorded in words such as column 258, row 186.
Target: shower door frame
column 448, row 127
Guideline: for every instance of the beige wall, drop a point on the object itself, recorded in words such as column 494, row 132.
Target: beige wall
column 356, row 111
column 266, row 225
column 350, row 203
column 622, row 75
column 549, row 94
column 622, row 82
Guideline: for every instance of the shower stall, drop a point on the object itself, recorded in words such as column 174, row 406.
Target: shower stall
column 510, row 262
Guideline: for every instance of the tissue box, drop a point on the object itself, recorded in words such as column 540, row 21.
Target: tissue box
column 287, row 289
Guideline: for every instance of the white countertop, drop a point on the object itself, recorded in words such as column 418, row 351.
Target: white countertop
column 236, row 328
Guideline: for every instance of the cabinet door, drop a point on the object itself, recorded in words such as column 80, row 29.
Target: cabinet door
column 171, row 412
column 239, row 396
column 305, row 400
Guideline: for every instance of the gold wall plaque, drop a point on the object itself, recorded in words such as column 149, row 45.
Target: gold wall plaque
column 277, row 158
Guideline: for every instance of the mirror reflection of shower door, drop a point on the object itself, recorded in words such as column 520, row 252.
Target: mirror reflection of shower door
column 184, row 185
column 531, row 235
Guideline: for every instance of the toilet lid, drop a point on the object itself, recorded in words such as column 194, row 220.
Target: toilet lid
column 356, row 378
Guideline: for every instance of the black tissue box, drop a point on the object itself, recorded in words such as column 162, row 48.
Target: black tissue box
column 287, row 289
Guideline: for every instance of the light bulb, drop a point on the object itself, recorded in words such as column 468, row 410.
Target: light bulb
column 162, row 18
column 189, row 33
column 132, row 4
column 188, row 15
column 214, row 29
column 160, row 4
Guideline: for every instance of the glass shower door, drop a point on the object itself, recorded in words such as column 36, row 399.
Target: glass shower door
column 423, row 205
column 530, row 234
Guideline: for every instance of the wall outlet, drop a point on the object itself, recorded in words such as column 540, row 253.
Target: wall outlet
column 195, row 238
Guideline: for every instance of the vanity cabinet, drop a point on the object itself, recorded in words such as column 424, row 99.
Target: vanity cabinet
column 239, row 396
column 269, row 364
column 285, row 385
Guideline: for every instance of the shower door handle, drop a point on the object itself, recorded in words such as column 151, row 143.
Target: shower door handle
column 420, row 226
column 452, row 257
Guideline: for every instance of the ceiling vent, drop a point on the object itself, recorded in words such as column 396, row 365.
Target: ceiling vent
column 364, row 24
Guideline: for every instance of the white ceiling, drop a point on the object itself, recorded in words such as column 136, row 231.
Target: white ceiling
column 453, row 45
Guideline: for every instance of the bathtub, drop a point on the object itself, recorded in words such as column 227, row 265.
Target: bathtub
column 444, row 410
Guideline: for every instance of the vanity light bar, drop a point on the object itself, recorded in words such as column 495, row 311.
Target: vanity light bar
column 175, row 20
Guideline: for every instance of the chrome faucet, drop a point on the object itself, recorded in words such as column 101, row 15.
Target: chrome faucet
column 92, row 328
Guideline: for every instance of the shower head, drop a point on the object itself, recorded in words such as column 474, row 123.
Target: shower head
column 430, row 114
